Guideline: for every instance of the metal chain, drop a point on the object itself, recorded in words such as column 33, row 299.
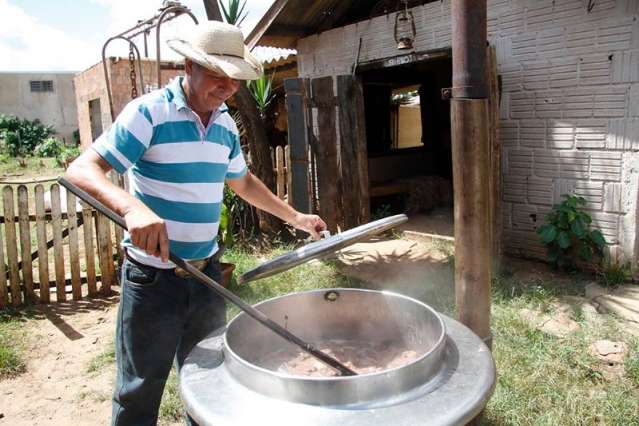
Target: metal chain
column 134, row 84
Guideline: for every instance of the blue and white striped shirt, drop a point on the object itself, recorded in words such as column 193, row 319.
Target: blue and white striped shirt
column 177, row 167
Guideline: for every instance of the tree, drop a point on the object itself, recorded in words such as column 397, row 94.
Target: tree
column 259, row 147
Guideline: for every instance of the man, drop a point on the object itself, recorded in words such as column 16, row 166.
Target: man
column 181, row 146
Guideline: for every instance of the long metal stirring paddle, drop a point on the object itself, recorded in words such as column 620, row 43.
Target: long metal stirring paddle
column 210, row 283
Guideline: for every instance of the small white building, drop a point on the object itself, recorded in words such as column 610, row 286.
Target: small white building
column 46, row 96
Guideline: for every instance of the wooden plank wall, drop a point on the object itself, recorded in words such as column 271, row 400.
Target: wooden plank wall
column 353, row 151
column 328, row 173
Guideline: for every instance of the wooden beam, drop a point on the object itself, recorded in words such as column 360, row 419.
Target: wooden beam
column 288, row 30
column 473, row 224
column 264, row 24
column 212, row 10
column 296, row 105
column 329, row 181
column 353, row 150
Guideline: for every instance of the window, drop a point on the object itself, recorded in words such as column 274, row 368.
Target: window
column 41, row 85
column 406, row 118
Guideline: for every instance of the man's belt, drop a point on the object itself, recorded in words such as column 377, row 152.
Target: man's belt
column 198, row 264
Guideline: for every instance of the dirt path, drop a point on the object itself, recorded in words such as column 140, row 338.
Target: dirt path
column 56, row 388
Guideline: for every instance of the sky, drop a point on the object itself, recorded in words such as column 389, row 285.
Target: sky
column 67, row 35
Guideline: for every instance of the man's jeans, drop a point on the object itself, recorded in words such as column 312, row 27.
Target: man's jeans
column 161, row 318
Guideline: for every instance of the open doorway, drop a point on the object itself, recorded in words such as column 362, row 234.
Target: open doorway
column 409, row 141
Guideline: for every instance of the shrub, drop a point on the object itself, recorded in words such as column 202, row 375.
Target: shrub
column 567, row 234
column 612, row 274
column 21, row 135
column 50, row 147
column 67, row 154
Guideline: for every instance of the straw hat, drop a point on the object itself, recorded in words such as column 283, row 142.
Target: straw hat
column 220, row 48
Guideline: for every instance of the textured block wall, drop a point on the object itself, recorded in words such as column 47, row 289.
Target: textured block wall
column 90, row 84
column 569, row 108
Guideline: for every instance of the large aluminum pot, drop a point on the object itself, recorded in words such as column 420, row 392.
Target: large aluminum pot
column 343, row 315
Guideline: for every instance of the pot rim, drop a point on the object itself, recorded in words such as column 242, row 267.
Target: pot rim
column 435, row 348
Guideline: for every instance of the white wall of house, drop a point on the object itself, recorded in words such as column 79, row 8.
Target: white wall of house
column 569, row 110
column 56, row 108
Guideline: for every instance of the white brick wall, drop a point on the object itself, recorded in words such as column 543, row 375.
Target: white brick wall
column 569, row 111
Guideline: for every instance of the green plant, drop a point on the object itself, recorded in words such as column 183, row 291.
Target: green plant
column 567, row 235
column 50, row 147
column 21, row 135
column 612, row 274
column 67, row 154
column 381, row 212
column 262, row 91
column 234, row 11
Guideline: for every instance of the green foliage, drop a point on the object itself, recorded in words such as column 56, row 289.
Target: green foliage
column 21, row 136
column 102, row 361
column 381, row 212
column 567, row 234
column 67, row 154
column 234, row 12
column 612, row 274
column 231, row 207
column 262, row 91
column 76, row 137
column 11, row 347
column 50, row 147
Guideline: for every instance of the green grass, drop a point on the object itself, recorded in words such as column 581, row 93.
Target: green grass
column 34, row 167
column 545, row 380
column 309, row 276
column 12, row 342
column 103, row 360
column 171, row 409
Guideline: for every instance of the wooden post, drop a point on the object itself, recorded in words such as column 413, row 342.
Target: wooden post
column 495, row 158
column 353, row 150
column 43, row 255
column 103, row 230
column 12, row 245
column 74, row 253
column 4, row 291
column 89, row 251
column 329, row 180
column 25, row 243
column 117, row 231
column 58, row 250
column 289, row 174
column 471, row 166
column 298, row 124
column 281, row 178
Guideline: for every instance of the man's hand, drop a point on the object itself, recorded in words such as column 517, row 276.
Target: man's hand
column 148, row 231
column 310, row 223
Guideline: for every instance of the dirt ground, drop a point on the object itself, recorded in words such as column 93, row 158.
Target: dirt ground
column 56, row 388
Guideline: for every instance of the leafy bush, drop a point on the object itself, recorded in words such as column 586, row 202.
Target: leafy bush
column 67, row 154
column 50, row 147
column 567, row 234
column 21, row 135
column 612, row 274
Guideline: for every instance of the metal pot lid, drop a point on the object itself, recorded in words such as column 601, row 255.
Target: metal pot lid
column 322, row 248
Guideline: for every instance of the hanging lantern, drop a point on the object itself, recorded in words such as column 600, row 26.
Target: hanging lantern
column 405, row 28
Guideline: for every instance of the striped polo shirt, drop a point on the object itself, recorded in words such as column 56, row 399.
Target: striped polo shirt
column 176, row 166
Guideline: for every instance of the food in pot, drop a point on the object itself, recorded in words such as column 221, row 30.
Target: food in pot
column 362, row 357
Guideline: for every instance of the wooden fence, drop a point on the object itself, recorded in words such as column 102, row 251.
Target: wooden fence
column 281, row 157
column 55, row 250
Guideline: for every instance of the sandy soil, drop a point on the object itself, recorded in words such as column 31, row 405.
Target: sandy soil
column 56, row 388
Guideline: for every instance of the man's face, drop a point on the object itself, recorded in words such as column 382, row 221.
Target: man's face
column 208, row 89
